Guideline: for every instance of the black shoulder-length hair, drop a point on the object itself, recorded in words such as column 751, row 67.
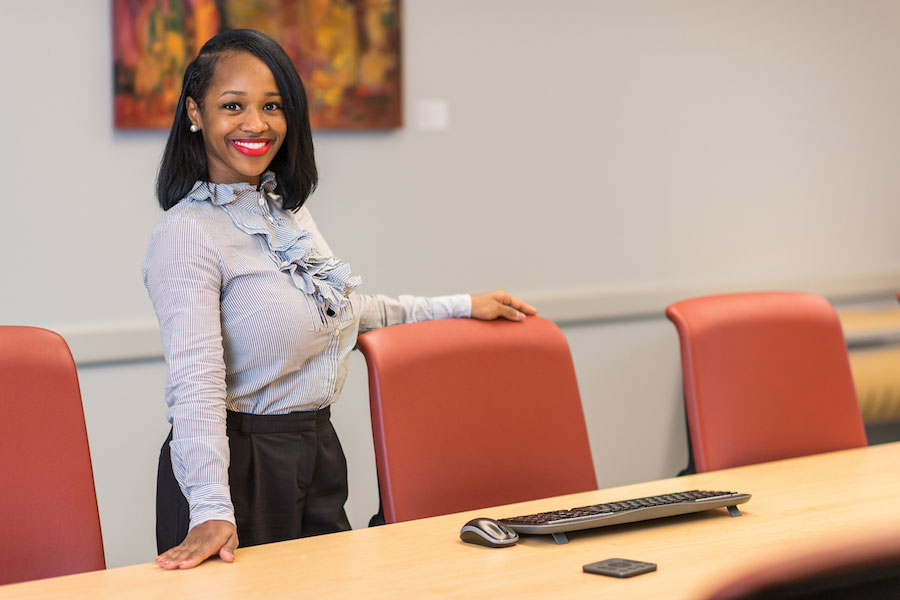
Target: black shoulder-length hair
column 184, row 159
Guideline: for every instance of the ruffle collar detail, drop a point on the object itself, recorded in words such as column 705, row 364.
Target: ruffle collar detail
column 259, row 212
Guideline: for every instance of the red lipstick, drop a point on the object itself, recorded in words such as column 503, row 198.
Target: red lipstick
column 252, row 147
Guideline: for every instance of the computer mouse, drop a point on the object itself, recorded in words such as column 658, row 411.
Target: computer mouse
column 488, row 532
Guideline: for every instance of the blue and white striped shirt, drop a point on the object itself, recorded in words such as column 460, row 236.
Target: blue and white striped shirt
column 245, row 324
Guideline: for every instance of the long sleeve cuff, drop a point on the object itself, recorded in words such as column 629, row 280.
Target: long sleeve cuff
column 381, row 311
column 210, row 503
column 457, row 306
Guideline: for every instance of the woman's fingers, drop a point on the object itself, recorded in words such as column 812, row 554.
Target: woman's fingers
column 203, row 541
column 500, row 303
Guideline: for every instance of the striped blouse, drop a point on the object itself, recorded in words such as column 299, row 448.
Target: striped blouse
column 256, row 316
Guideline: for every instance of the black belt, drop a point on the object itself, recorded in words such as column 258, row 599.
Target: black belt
column 289, row 423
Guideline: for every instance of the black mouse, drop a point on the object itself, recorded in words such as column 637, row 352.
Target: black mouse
column 488, row 532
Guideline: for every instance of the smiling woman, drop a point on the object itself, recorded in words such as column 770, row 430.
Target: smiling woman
column 241, row 118
column 257, row 315
column 242, row 87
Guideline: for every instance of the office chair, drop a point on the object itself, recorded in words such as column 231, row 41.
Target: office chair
column 49, row 524
column 867, row 567
column 468, row 414
column 766, row 376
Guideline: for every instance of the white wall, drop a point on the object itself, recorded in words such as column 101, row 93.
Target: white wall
column 618, row 153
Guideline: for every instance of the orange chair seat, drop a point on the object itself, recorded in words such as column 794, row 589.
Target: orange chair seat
column 49, row 524
column 469, row 414
column 766, row 376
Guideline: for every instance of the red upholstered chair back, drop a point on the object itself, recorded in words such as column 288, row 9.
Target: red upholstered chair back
column 468, row 414
column 766, row 376
column 49, row 524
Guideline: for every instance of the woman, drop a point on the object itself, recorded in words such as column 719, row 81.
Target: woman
column 256, row 314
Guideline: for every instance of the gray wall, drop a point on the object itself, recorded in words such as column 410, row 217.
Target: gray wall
column 603, row 158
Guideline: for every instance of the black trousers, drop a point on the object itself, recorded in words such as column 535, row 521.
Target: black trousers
column 288, row 479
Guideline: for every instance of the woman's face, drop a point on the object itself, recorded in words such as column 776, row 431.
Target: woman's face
column 242, row 120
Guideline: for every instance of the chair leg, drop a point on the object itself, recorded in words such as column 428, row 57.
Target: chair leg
column 690, row 469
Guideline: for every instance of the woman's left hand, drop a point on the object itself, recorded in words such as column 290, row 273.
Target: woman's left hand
column 500, row 304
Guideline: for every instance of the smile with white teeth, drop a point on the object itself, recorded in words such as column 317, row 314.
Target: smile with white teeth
column 249, row 145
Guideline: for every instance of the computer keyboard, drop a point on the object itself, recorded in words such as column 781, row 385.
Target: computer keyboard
column 558, row 522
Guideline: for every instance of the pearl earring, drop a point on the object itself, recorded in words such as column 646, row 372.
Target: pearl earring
column 194, row 128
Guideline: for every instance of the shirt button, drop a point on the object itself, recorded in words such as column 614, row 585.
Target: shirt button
column 261, row 201
column 271, row 220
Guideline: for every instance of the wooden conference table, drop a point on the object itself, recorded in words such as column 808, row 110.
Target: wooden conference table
column 797, row 504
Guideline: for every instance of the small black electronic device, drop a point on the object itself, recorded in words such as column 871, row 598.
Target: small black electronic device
column 619, row 567
column 488, row 532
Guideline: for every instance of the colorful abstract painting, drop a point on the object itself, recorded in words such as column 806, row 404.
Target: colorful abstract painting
column 347, row 52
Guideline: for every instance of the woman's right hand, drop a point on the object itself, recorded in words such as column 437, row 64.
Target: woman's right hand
column 203, row 541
